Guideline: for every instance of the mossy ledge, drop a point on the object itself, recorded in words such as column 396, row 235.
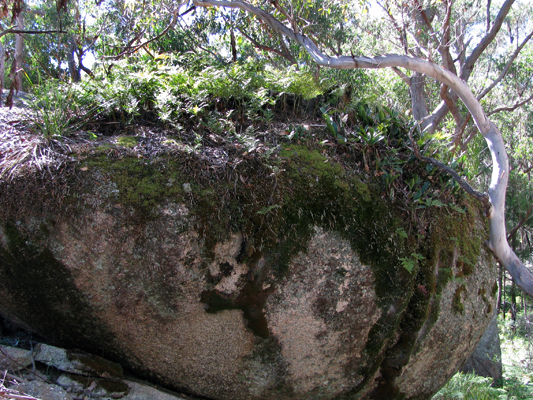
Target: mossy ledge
column 264, row 211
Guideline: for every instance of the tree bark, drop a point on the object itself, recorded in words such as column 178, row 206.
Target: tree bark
column 19, row 54
column 72, row 67
column 468, row 65
column 418, row 98
column 500, row 288
column 2, row 70
column 500, row 164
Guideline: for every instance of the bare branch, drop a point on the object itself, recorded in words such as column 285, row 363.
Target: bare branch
column 444, row 45
column 175, row 16
column 511, row 108
column 488, row 15
column 513, row 231
column 288, row 57
column 481, row 197
column 507, row 66
column 459, row 133
column 451, row 106
column 468, row 66
column 403, row 76
column 25, row 32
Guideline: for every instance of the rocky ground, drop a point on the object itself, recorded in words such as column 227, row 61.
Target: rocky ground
column 32, row 370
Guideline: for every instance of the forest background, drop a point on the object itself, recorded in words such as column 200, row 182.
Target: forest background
column 106, row 65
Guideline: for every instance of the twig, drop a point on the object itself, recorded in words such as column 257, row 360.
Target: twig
column 511, row 108
column 513, row 231
column 481, row 197
column 506, row 69
column 23, row 32
column 9, row 394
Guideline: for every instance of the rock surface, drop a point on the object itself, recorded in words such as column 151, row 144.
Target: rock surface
column 487, row 357
column 13, row 358
column 238, row 279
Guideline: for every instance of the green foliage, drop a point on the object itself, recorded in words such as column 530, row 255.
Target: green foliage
column 469, row 387
column 473, row 387
column 335, row 128
column 409, row 263
column 53, row 112
column 212, row 98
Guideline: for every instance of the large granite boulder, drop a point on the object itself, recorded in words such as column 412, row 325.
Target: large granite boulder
column 280, row 276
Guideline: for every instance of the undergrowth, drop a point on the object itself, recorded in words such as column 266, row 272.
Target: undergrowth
column 517, row 360
column 135, row 91
column 235, row 106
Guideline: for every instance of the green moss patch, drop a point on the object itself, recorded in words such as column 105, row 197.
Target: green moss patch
column 128, row 141
column 457, row 304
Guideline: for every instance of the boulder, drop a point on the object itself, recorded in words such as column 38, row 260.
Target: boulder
column 486, row 360
column 237, row 277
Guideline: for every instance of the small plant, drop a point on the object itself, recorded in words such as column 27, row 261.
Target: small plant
column 469, row 387
column 409, row 263
column 53, row 115
column 370, row 136
column 335, row 128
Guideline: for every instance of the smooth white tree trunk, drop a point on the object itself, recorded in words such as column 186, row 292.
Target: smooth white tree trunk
column 500, row 164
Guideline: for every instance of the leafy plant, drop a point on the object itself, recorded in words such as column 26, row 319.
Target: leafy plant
column 469, row 387
column 335, row 128
column 52, row 108
column 370, row 136
column 409, row 263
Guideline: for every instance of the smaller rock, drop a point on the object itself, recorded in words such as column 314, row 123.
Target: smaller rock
column 44, row 391
column 140, row 391
column 487, row 358
column 69, row 384
column 77, row 363
column 14, row 359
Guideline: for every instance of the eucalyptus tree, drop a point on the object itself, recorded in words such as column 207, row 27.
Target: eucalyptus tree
column 453, row 86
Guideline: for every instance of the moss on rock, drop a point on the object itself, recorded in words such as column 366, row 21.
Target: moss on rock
column 268, row 209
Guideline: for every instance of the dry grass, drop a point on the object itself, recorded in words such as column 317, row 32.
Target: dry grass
column 14, row 394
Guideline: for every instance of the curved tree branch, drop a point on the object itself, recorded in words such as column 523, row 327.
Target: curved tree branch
column 500, row 164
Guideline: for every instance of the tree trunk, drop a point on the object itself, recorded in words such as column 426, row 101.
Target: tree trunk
column 513, row 300
column 233, row 46
column 418, row 98
column 503, row 295
column 19, row 55
column 72, row 67
column 524, row 304
column 500, row 288
column 2, row 70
